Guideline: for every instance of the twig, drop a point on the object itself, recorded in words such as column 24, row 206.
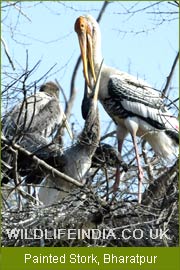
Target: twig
column 159, row 187
column 7, row 53
column 169, row 78
column 102, row 10
column 62, row 91
column 147, row 161
column 110, row 134
column 19, row 9
column 46, row 166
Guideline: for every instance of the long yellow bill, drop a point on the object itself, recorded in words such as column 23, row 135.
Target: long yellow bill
column 84, row 33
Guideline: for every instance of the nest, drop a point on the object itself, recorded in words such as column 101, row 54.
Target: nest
column 84, row 219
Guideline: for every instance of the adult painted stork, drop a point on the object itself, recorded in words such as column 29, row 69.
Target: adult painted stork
column 133, row 105
column 34, row 122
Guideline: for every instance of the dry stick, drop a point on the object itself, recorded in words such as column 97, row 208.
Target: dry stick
column 110, row 134
column 62, row 90
column 60, row 132
column 147, row 161
column 19, row 9
column 7, row 53
column 46, row 166
column 24, row 102
column 15, row 172
column 159, row 187
column 169, row 78
column 102, row 10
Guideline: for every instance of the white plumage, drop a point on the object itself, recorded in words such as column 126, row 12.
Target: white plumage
column 134, row 106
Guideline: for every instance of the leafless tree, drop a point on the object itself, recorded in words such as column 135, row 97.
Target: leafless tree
column 93, row 205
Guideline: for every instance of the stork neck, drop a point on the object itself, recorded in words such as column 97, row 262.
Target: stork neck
column 97, row 58
column 97, row 51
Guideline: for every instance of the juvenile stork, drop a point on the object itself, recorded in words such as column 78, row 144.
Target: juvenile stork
column 76, row 160
column 33, row 123
column 133, row 105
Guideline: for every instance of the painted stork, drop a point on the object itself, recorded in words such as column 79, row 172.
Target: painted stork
column 135, row 107
column 76, row 160
column 34, row 122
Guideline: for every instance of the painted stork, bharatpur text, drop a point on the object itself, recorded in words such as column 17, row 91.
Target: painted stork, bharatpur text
column 135, row 107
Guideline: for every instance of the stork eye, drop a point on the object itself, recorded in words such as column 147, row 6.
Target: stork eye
column 82, row 26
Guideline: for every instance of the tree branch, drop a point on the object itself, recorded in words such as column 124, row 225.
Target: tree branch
column 169, row 78
column 46, row 166
column 7, row 53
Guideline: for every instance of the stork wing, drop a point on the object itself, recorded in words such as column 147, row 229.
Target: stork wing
column 38, row 114
column 132, row 98
column 48, row 117
column 135, row 91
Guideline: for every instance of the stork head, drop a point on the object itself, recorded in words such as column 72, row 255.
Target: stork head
column 87, row 28
column 51, row 88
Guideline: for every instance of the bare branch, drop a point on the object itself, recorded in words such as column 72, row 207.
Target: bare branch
column 7, row 53
column 46, row 166
column 110, row 134
column 157, row 189
column 19, row 9
column 169, row 78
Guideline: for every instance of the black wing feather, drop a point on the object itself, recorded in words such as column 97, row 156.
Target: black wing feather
column 130, row 99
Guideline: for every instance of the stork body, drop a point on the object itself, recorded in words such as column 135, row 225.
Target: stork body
column 137, row 109
column 39, row 114
column 33, row 123
column 133, row 105
column 75, row 161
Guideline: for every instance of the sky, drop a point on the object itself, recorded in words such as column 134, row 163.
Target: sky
column 141, row 41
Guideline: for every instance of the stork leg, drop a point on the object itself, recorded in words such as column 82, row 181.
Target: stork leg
column 140, row 170
column 117, row 179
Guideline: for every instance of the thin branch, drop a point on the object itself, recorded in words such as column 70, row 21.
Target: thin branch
column 174, row 3
column 105, row 4
column 169, row 78
column 62, row 91
column 19, row 9
column 149, row 168
column 7, row 53
column 110, row 134
column 46, row 166
column 159, row 187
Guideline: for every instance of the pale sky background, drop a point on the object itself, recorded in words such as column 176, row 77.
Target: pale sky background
column 144, row 44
